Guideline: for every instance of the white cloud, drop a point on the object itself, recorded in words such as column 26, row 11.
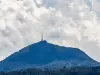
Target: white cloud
column 2, row 24
column 95, row 5
column 64, row 22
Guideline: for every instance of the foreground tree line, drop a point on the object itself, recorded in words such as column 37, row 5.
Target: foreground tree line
column 63, row 71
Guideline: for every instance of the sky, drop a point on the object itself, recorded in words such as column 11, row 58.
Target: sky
column 73, row 23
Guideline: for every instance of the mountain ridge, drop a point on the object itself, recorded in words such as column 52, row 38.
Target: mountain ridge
column 43, row 54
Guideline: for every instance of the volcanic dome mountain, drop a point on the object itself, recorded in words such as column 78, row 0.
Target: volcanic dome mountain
column 43, row 54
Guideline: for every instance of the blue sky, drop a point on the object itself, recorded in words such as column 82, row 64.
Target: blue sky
column 63, row 22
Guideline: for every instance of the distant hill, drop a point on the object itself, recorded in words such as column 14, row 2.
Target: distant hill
column 46, row 55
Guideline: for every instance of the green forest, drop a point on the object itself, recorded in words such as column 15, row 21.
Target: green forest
column 63, row 71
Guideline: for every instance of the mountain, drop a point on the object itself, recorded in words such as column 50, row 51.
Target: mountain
column 43, row 54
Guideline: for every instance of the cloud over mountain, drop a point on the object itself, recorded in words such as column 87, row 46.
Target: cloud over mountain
column 64, row 22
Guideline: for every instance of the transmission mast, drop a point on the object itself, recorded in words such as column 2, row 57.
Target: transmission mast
column 41, row 36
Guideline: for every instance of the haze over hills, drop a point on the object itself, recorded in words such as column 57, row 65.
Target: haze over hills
column 43, row 54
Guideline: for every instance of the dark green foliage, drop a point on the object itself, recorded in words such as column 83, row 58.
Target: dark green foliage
column 63, row 71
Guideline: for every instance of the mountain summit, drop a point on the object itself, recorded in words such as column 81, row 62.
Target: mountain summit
column 44, row 54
